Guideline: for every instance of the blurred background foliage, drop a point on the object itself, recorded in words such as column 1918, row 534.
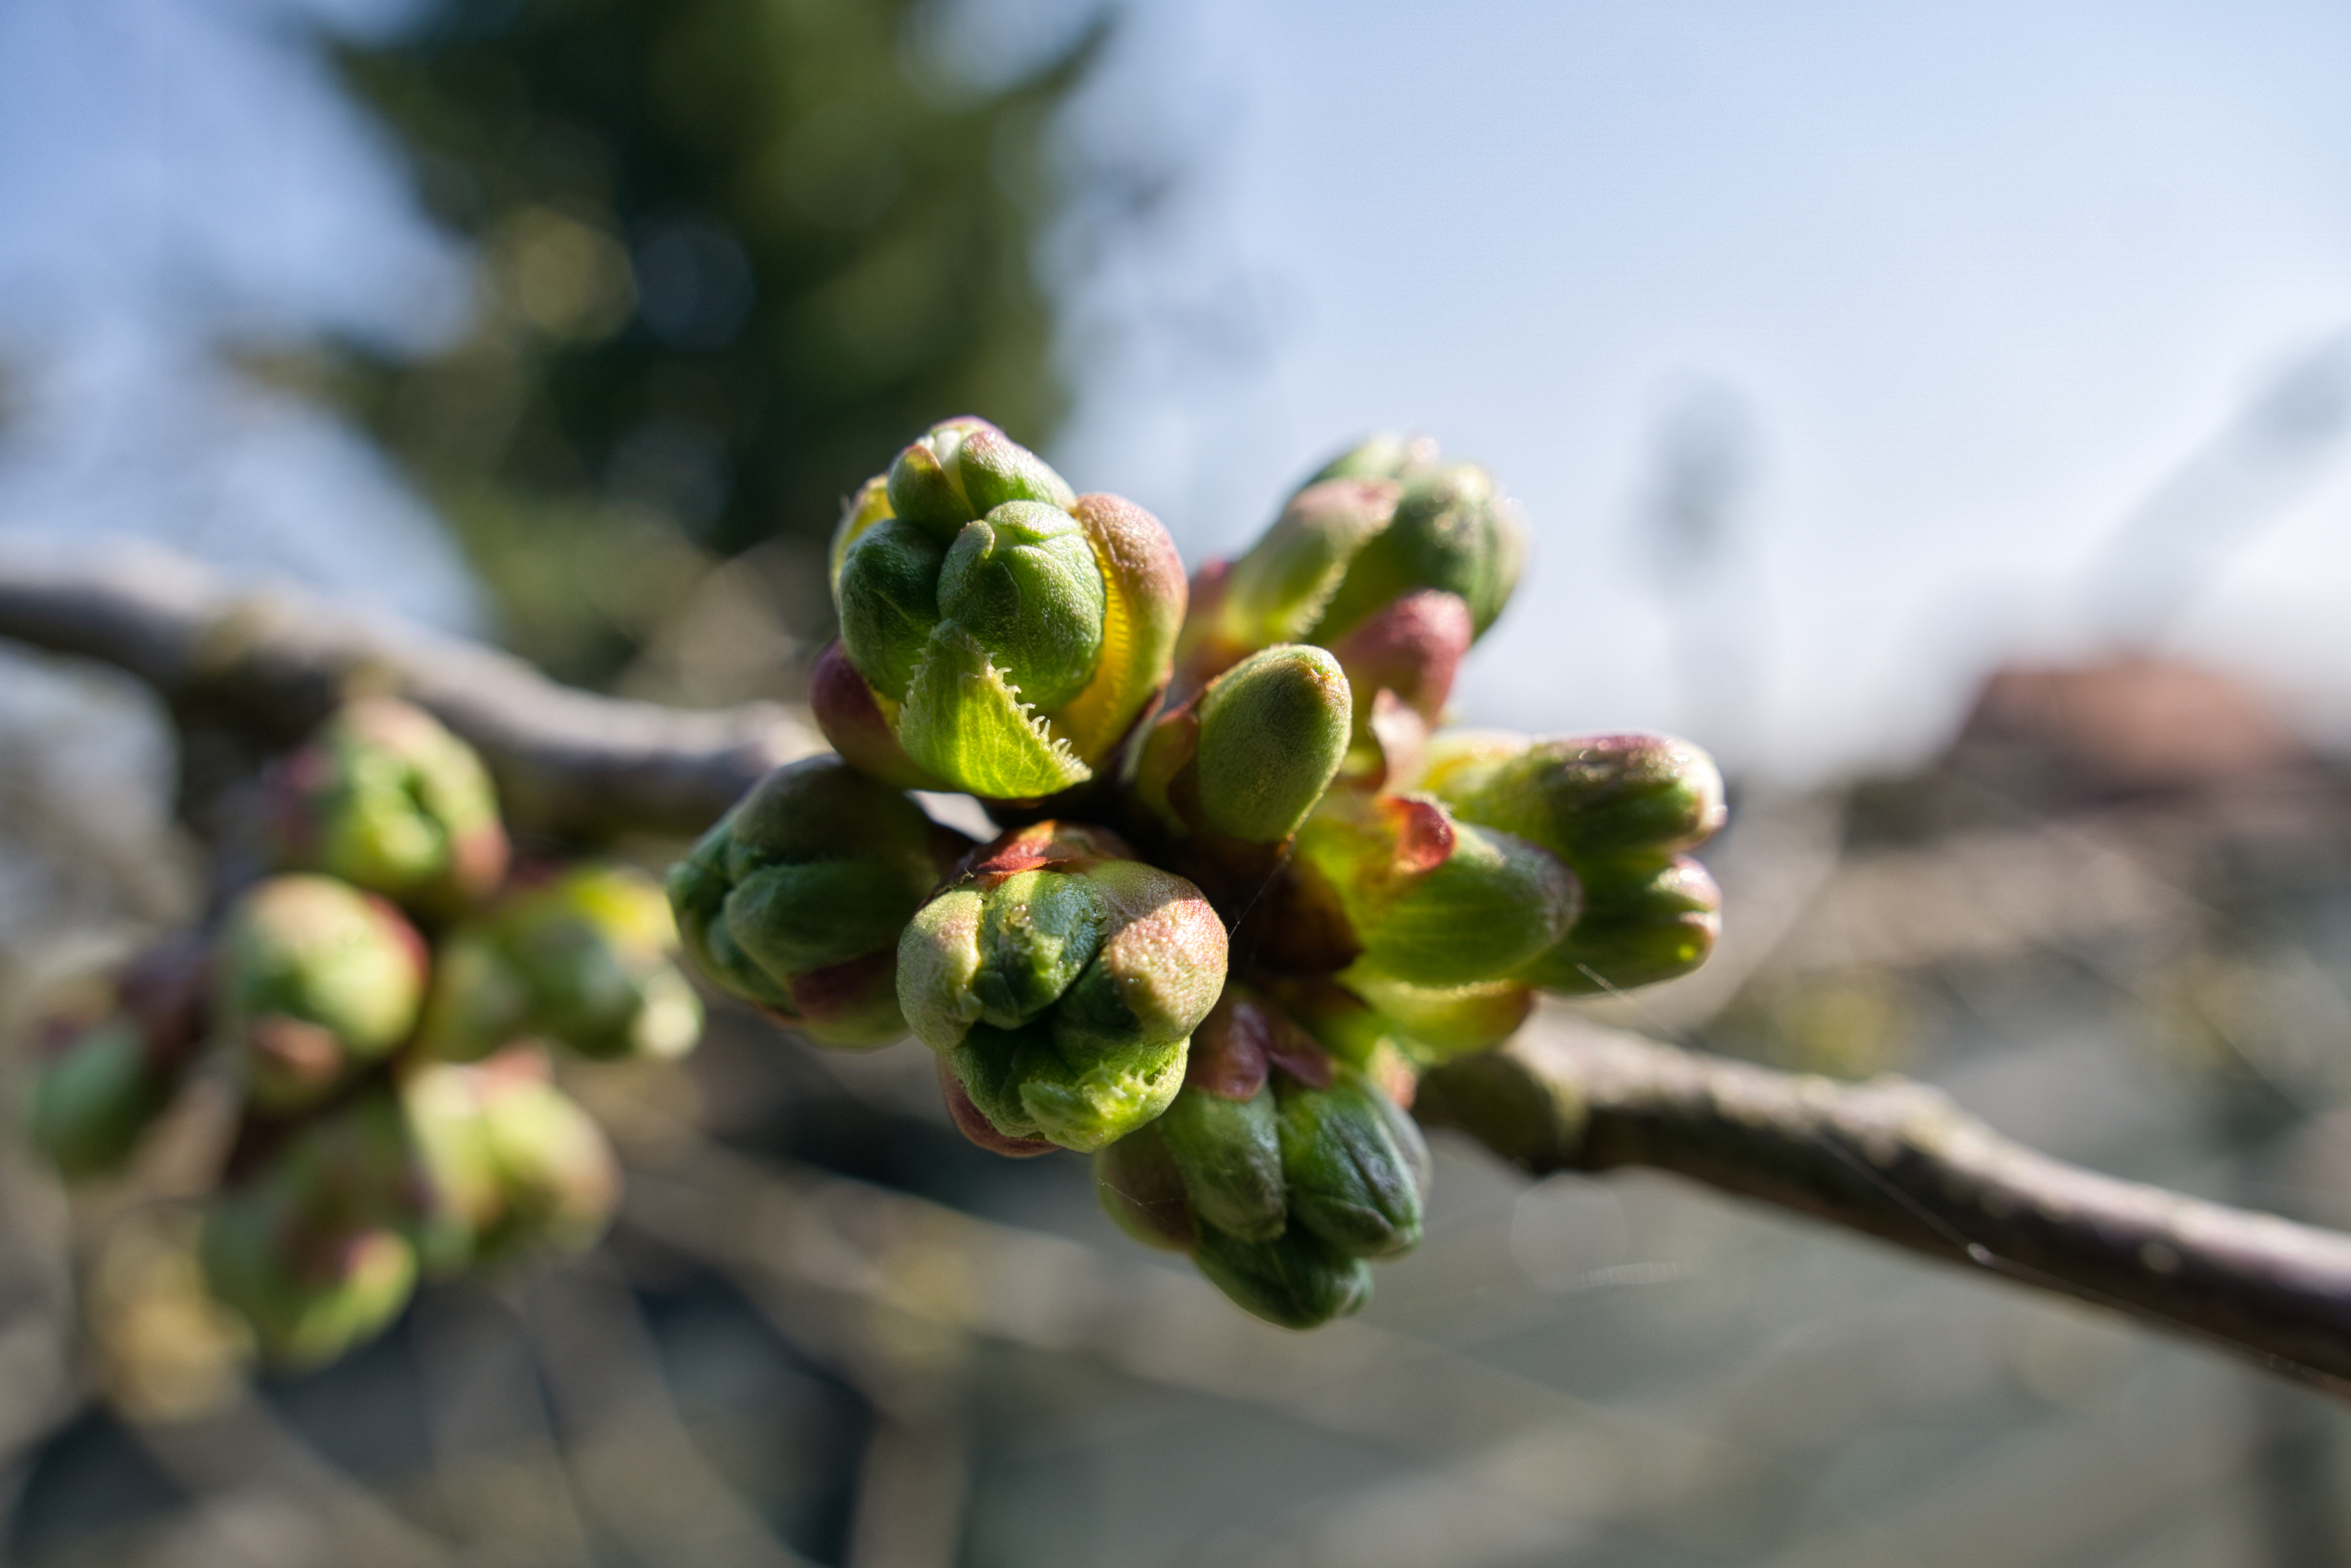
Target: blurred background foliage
column 729, row 253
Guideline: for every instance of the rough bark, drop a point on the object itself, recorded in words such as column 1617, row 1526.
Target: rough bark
column 279, row 660
column 1897, row 1160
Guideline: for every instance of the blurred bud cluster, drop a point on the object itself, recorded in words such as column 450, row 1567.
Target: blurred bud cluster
column 381, row 1007
column 1248, row 886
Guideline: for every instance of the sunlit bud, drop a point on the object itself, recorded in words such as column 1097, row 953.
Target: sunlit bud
column 582, row 959
column 796, row 900
column 1061, row 980
column 558, row 1179
column 1432, row 1023
column 964, row 468
column 1433, row 901
column 1007, row 633
column 1413, row 647
column 1452, row 531
column 1584, row 798
column 314, row 976
column 308, row 1296
column 317, row 1247
column 1240, row 765
column 385, row 798
column 1138, row 1184
column 1387, row 455
column 1644, row 919
column 514, row 1166
column 1297, row 1280
column 1356, row 1168
column 1278, row 591
column 1272, row 730
column 442, row 1109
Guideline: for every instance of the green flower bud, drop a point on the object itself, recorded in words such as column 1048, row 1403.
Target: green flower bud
column 308, row 1298
column 558, row 1181
column 386, row 799
column 583, row 960
column 1297, row 1280
column 1138, row 1184
column 1228, row 1153
column 105, row 1075
column 516, row 1166
column 442, row 1109
column 1273, row 729
column 1061, row 981
column 1007, row 633
column 890, row 600
column 1645, row 919
column 317, row 1248
column 964, row 468
column 313, row 978
column 1221, row 1132
column 94, row 1095
column 1379, row 525
column 1452, row 531
column 1434, row 1023
column 1023, row 581
column 1355, row 1167
column 1433, row 901
column 796, row 900
column 1387, row 455
column 1277, row 592
column 1585, row 798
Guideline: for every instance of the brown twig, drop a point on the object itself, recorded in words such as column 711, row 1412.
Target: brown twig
column 1891, row 1159
column 1899, row 1161
column 566, row 762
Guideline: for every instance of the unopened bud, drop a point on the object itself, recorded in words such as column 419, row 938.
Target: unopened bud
column 516, row 1166
column 1433, row 1023
column 964, row 468
column 1139, row 1186
column 1061, row 980
column 308, row 1296
column 1433, row 901
column 386, row 799
column 1007, row 632
column 1452, row 531
column 1387, row 455
column 317, row 1247
column 314, row 977
column 1584, row 797
column 1297, row 1280
column 1356, row 1166
column 93, row 1096
column 1272, row 730
column 582, row 960
column 1645, row 920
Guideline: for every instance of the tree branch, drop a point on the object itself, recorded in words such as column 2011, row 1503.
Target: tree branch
column 278, row 660
column 1899, row 1161
column 1891, row 1159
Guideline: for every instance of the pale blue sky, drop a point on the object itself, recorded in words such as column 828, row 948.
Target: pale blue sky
column 1982, row 275
column 1973, row 279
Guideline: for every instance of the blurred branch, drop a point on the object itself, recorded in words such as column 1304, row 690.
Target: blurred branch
column 276, row 661
column 1899, row 1161
column 1892, row 1159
